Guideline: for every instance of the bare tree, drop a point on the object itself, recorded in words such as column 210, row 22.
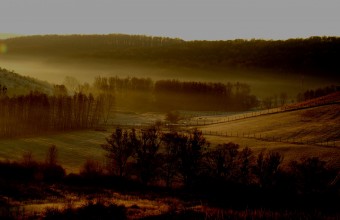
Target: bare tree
column 222, row 161
column 27, row 158
column 173, row 117
column 71, row 83
column 119, row 148
column 51, row 156
column 191, row 156
column 266, row 168
column 147, row 154
column 173, row 143
column 91, row 168
column 283, row 98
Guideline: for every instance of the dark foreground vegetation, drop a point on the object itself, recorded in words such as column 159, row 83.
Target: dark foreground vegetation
column 184, row 166
column 311, row 56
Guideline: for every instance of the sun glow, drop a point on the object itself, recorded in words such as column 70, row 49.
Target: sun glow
column 3, row 48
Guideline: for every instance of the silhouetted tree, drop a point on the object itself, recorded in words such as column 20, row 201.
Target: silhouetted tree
column 173, row 143
column 28, row 160
column 173, row 117
column 267, row 167
column 311, row 175
column 283, row 98
column 147, row 154
column 245, row 160
column 222, row 161
column 91, row 169
column 191, row 156
column 120, row 147
column 51, row 156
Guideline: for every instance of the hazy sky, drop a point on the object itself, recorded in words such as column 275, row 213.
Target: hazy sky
column 187, row 19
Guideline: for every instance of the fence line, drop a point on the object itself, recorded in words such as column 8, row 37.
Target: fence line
column 269, row 138
column 201, row 121
column 286, row 108
column 257, row 136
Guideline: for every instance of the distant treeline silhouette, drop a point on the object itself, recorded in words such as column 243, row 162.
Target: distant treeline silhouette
column 314, row 55
column 144, row 93
column 316, row 93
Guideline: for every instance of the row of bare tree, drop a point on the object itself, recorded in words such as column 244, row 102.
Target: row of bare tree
column 37, row 112
column 175, row 94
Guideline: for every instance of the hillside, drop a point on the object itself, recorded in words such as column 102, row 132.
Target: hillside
column 8, row 35
column 311, row 56
column 301, row 133
column 18, row 85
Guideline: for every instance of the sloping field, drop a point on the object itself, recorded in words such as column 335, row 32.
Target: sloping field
column 73, row 148
column 301, row 133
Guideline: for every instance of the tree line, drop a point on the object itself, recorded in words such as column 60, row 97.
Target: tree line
column 188, row 159
column 37, row 112
column 175, row 94
column 316, row 93
column 311, row 56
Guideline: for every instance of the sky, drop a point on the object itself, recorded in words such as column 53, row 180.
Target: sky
column 186, row 19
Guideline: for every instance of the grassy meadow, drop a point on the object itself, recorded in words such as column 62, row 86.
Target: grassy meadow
column 73, row 147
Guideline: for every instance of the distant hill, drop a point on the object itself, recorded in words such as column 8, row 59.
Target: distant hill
column 18, row 85
column 8, row 35
column 311, row 56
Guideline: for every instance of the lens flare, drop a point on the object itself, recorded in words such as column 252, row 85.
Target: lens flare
column 3, row 48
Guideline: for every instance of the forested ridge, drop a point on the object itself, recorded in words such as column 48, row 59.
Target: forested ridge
column 313, row 55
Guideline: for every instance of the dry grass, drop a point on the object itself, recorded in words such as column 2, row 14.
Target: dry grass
column 74, row 148
column 317, row 124
column 138, row 206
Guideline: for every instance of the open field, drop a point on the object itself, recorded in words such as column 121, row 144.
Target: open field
column 73, row 147
column 296, row 134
